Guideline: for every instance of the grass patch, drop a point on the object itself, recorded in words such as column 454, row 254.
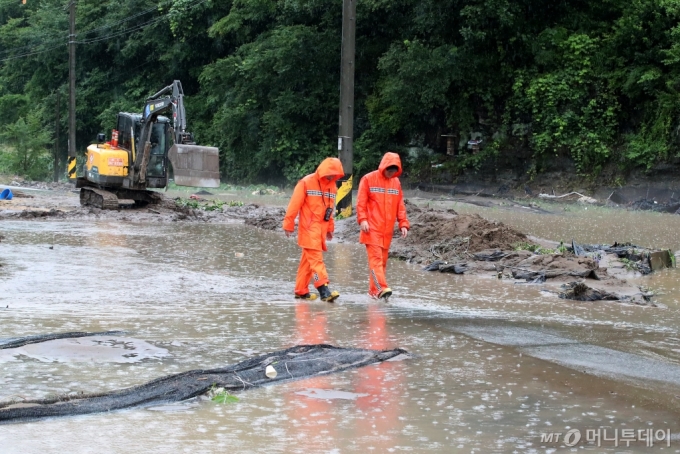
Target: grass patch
column 262, row 189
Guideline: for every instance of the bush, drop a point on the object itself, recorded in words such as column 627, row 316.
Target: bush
column 27, row 156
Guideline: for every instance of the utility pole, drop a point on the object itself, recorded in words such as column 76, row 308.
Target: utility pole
column 346, row 120
column 72, row 91
column 56, row 139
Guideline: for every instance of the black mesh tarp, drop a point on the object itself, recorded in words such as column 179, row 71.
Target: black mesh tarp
column 14, row 342
column 291, row 364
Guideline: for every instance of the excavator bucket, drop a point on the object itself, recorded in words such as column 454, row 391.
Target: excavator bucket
column 195, row 165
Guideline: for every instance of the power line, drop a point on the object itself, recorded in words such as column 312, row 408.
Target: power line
column 120, row 21
column 133, row 29
column 28, row 54
column 82, row 33
column 32, row 46
column 137, row 27
column 123, row 32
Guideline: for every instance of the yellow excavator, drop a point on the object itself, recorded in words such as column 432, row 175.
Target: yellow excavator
column 119, row 173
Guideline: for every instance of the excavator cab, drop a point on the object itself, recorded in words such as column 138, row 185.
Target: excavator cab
column 158, row 159
column 129, row 129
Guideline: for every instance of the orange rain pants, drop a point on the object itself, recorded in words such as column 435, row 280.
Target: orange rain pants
column 311, row 268
column 377, row 266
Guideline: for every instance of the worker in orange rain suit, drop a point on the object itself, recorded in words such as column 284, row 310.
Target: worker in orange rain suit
column 380, row 202
column 314, row 200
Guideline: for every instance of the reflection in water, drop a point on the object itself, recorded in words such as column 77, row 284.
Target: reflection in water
column 311, row 421
column 379, row 425
column 310, row 326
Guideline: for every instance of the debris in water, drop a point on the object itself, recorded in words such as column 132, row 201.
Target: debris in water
column 579, row 291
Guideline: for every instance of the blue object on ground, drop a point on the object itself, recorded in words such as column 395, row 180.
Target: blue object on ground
column 6, row 194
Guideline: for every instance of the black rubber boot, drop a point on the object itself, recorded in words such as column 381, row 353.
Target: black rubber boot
column 386, row 293
column 326, row 294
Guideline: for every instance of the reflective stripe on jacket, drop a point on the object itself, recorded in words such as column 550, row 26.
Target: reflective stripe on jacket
column 381, row 203
column 312, row 196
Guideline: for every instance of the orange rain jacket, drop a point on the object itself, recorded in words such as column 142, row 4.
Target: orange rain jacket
column 312, row 196
column 381, row 202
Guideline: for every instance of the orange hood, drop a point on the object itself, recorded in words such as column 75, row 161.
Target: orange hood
column 390, row 159
column 329, row 167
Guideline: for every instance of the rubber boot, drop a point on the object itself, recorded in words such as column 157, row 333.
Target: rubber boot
column 306, row 296
column 326, row 294
column 386, row 293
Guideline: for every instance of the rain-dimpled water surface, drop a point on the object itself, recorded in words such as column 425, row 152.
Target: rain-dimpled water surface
column 495, row 365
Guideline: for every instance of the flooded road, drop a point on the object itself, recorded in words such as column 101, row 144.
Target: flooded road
column 495, row 365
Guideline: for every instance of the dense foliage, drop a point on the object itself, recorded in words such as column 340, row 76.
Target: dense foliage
column 597, row 82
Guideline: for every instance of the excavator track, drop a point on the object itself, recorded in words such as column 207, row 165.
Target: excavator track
column 98, row 198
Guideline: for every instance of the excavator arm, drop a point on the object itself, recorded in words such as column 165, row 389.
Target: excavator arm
column 193, row 165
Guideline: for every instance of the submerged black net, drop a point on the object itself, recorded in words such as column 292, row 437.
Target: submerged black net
column 291, row 364
column 14, row 342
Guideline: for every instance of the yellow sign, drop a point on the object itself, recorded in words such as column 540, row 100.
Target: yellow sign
column 345, row 189
column 71, row 167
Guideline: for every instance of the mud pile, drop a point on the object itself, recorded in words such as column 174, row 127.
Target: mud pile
column 448, row 236
column 469, row 244
column 447, row 242
column 267, row 219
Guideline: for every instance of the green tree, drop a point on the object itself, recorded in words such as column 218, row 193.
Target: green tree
column 28, row 138
column 275, row 103
column 572, row 108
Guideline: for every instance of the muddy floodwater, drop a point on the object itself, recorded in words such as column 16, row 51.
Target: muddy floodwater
column 496, row 366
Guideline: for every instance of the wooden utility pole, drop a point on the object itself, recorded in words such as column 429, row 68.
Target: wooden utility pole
column 346, row 121
column 56, row 139
column 72, row 90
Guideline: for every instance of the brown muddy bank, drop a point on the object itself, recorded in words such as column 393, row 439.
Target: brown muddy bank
column 63, row 204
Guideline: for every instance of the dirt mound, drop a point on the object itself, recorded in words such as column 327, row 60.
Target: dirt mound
column 448, row 236
column 32, row 214
column 271, row 220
